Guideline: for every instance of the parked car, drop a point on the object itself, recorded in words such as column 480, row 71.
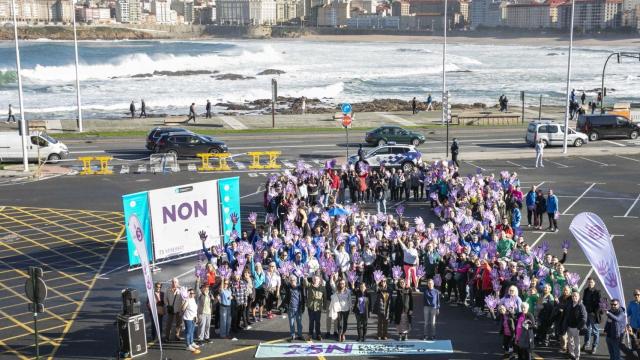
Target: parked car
column 388, row 133
column 188, row 144
column 157, row 132
column 403, row 156
column 38, row 144
column 602, row 126
column 552, row 133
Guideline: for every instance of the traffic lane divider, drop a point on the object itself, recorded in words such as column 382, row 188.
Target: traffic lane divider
column 206, row 161
column 271, row 162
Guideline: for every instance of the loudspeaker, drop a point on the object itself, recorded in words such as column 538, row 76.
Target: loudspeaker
column 130, row 303
column 132, row 335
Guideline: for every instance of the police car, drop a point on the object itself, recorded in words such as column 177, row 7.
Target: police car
column 391, row 155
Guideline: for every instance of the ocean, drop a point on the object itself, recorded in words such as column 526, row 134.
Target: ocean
column 113, row 73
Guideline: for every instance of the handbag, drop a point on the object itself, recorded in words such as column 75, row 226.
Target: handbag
column 556, row 215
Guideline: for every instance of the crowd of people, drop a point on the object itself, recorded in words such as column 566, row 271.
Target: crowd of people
column 318, row 250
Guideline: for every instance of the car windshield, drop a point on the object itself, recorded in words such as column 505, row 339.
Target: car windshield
column 48, row 138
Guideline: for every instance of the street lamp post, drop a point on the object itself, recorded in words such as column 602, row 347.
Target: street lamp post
column 444, row 57
column 75, row 45
column 23, row 122
column 568, row 103
column 617, row 54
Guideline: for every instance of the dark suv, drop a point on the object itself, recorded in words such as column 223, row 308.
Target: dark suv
column 188, row 144
column 607, row 125
column 157, row 132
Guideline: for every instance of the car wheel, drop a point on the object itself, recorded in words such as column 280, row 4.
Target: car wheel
column 633, row 135
column 578, row 143
column 545, row 143
column 593, row 136
column 415, row 142
column 407, row 167
column 214, row 151
column 381, row 142
column 54, row 158
column 172, row 152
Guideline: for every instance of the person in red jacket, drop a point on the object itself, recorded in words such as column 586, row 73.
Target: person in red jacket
column 482, row 285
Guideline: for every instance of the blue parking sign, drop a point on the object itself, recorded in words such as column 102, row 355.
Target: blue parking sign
column 346, row 108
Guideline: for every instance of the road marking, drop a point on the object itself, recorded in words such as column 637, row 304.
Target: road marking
column 578, row 199
column 142, row 169
column 245, row 348
column 192, row 167
column 631, row 207
column 518, row 165
column 253, row 193
column 288, row 164
column 271, row 147
column 240, row 165
column 561, row 165
column 233, row 122
column 397, row 119
column 86, row 294
column 538, row 239
column 584, row 280
column 628, row 158
column 593, row 161
column 614, row 143
column 474, row 165
column 124, row 169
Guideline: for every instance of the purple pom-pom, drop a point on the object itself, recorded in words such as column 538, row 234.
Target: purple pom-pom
column 396, row 272
column 378, row 276
column 491, row 302
column 252, row 217
column 400, row 210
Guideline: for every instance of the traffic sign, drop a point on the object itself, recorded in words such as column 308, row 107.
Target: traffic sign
column 346, row 108
column 346, row 121
column 37, row 293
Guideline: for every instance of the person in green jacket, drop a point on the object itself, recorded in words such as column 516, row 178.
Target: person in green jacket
column 316, row 297
column 505, row 245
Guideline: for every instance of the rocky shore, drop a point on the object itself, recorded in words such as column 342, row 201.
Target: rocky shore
column 84, row 33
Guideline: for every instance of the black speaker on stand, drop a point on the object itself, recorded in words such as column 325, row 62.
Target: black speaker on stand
column 130, row 302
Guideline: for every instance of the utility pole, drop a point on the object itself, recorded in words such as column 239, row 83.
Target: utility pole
column 75, row 45
column 23, row 121
column 566, row 110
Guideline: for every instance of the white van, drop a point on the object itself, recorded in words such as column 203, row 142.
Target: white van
column 37, row 143
column 552, row 133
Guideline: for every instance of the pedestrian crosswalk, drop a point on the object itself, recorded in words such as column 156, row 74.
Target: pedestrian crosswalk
column 236, row 166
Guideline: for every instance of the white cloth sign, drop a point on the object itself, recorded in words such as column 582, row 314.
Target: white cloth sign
column 135, row 230
column 178, row 213
column 594, row 239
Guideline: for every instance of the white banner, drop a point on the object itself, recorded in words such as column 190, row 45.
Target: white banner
column 179, row 212
column 135, row 230
column 594, row 239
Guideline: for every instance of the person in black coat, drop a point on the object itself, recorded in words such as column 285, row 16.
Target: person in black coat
column 591, row 300
column 455, row 149
column 507, row 329
column 575, row 321
column 541, row 209
column 402, row 309
column 525, row 325
column 362, row 308
column 381, row 308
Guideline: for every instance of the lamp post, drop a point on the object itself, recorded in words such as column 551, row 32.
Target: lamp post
column 75, row 45
column 444, row 57
column 568, row 104
column 23, row 123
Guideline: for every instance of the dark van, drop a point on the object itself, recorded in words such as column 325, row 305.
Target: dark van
column 606, row 125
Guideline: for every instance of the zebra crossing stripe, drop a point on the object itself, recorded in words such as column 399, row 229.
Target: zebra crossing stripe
column 192, row 167
column 288, row 164
column 240, row 165
column 124, row 169
column 142, row 168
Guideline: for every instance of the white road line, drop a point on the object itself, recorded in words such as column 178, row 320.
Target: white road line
column 578, row 199
column 124, row 169
column 287, row 164
column 254, row 193
column 192, row 167
column 538, row 239
column 397, row 119
column 474, row 165
column 240, row 165
column 233, row 122
column 561, row 165
column 632, row 206
column 520, row 166
column 584, row 280
column 628, row 158
column 614, row 143
column 88, row 152
column 542, row 183
column 318, row 162
column 593, row 161
column 284, row 146
column 142, row 168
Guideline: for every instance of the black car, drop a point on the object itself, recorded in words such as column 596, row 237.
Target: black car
column 607, row 125
column 156, row 133
column 188, row 144
column 388, row 133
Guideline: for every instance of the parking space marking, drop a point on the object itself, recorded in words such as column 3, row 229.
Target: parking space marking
column 245, row 348
column 518, row 165
column 474, row 165
column 30, row 330
column 615, row 143
column 76, row 220
column 578, row 199
column 593, row 161
column 14, row 352
column 556, row 163
column 626, row 215
column 628, row 158
column 538, row 239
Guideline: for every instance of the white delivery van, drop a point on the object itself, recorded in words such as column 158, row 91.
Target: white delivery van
column 38, row 143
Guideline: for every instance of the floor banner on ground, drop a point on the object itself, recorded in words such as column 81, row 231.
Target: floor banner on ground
column 137, row 204
column 378, row 348
column 178, row 213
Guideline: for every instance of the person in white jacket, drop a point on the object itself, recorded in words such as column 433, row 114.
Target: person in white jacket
column 539, row 152
column 340, row 305
column 342, row 258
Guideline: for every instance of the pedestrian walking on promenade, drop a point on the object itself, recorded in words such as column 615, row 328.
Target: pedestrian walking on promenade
column 11, row 116
column 583, row 97
column 431, row 310
column 539, row 153
column 575, row 321
column 174, row 311
column 132, row 109
column 303, row 106
column 190, row 314
column 143, row 109
column 455, row 149
column 615, row 329
column 414, row 106
column 192, row 112
column 552, row 211
column 429, row 102
column 208, row 110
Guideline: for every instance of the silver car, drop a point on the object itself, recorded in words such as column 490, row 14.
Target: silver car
column 552, row 133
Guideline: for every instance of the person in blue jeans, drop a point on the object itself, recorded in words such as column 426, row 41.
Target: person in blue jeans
column 225, row 298
column 295, row 299
column 614, row 329
column 591, row 300
column 190, row 313
column 552, row 208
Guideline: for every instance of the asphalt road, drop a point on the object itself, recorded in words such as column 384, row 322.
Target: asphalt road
column 605, row 185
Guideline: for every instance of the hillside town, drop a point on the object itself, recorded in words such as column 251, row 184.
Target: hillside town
column 412, row 15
